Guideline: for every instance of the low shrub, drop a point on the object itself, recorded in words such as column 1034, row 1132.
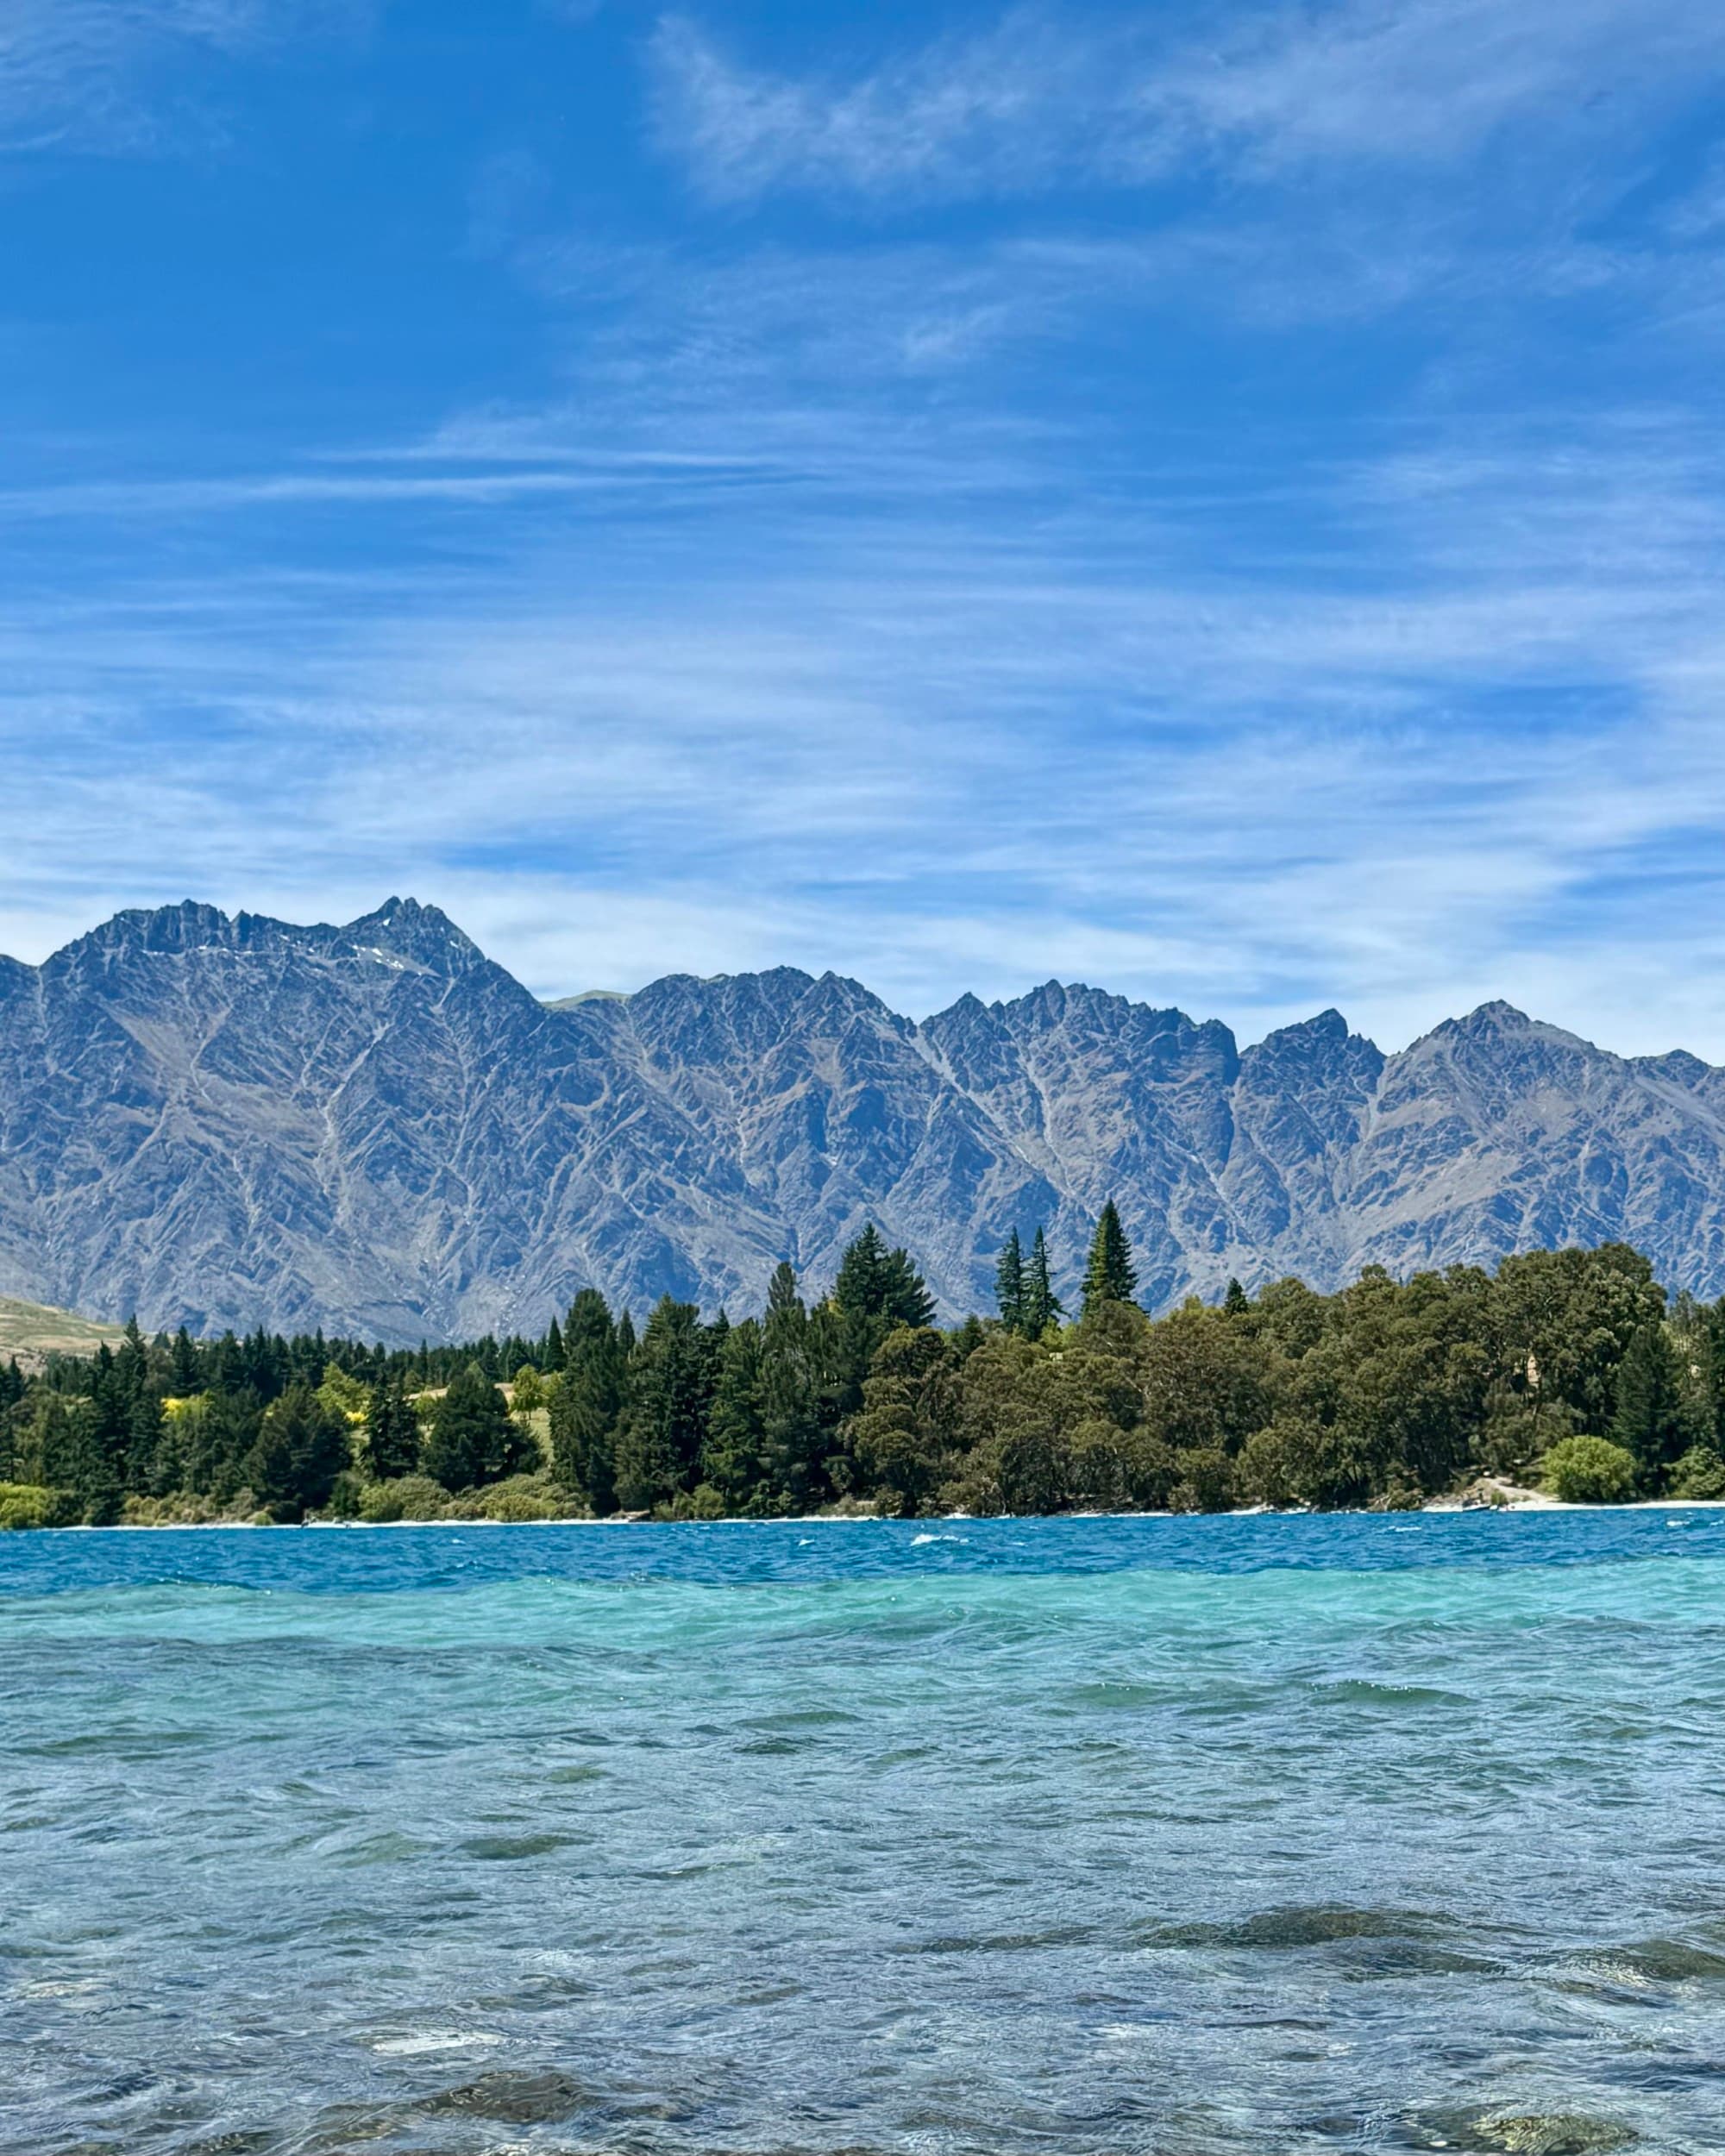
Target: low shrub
column 184, row 1508
column 29, row 1505
column 1589, row 1472
column 409, row 1497
column 522, row 1499
column 703, row 1502
column 1699, row 1473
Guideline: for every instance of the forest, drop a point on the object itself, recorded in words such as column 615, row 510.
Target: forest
column 1566, row 1369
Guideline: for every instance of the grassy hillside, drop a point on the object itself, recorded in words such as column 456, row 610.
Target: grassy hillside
column 30, row 1332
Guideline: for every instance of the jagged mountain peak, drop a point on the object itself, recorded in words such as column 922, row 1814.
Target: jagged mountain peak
column 190, row 924
column 232, row 1120
column 1498, row 1019
column 402, row 925
column 1327, row 1025
column 403, row 928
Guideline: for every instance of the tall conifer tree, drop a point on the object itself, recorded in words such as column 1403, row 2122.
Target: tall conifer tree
column 733, row 1459
column 1110, row 1276
column 392, row 1433
column 472, row 1439
column 1041, row 1307
column 671, row 1380
column 792, row 1434
column 1009, row 1284
column 589, row 1403
column 1651, row 1420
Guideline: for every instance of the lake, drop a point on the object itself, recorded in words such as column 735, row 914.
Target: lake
column 1021, row 1836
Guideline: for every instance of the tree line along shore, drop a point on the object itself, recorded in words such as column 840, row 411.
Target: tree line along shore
column 1570, row 1369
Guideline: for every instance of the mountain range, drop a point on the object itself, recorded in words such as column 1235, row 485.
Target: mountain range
column 221, row 1122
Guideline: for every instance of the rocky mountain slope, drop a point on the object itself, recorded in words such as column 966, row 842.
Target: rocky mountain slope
column 225, row 1122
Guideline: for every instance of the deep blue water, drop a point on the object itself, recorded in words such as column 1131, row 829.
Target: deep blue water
column 1275, row 1834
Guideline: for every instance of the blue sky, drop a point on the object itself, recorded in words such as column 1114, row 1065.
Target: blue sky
column 1225, row 502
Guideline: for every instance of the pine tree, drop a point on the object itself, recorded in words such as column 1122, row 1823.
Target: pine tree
column 791, row 1424
column 392, row 1434
column 302, row 1447
column 1041, row 1307
column 167, row 1455
column 671, row 1379
column 1109, row 1277
column 221, row 1441
column 1712, row 1330
column 472, row 1439
column 1009, row 1284
column 586, row 1407
column 877, row 1289
column 1650, row 1420
column 1235, row 1303
column 733, row 1459
column 860, row 1289
column 874, row 1282
column 184, row 1359
column 73, row 1453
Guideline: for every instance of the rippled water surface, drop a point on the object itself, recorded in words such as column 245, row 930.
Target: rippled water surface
column 1189, row 1836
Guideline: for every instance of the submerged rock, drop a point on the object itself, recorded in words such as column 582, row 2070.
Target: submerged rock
column 511, row 2099
column 1553, row 2134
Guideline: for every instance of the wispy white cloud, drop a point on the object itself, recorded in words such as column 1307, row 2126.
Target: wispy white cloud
column 943, row 754
column 1398, row 81
column 82, row 74
column 1046, row 97
column 871, row 598
column 969, row 116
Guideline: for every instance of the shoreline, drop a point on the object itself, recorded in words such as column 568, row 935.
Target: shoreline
column 1441, row 1508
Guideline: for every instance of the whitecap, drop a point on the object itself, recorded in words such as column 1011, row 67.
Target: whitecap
column 435, row 2039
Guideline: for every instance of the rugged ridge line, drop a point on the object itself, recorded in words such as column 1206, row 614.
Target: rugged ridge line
column 233, row 1121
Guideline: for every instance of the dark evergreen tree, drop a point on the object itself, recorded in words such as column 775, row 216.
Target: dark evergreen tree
column 967, row 1338
column 472, row 1439
column 167, row 1471
column 220, row 1441
column 1649, row 1420
column 1235, row 1302
column 1041, row 1307
column 671, row 1377
column 876, row 1283
column 877, row 1289
column 74, row 1451
column 186, row 1364
column 733, row 1460
column 1009, row 1284
column 588, row 1405
column 792, row 1433
column 151, row 1451
column 1109, row 1277
column 302, row 1446
column 391, row 1441
column 1710, row 1330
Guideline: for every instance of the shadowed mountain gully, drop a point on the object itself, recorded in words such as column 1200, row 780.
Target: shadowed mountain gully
column 224, row 1122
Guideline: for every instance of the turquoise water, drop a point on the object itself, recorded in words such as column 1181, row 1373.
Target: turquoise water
column 1268, row 1834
